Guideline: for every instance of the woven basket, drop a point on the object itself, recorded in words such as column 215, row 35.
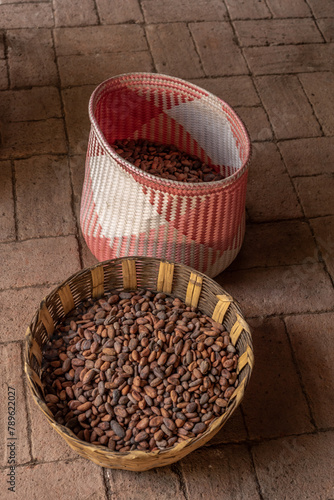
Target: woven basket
column 193, row 288
column 126, row 211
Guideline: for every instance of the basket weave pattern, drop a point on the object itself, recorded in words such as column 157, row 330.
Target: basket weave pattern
column 195, row 289
column 126, row 211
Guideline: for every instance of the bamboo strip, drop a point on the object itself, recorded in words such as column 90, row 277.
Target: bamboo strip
column 36, row 351
column 165, row 277
column 35, row 378
column 66, row 299
column 97, row 282
column 129, row 274
column 239, row 392
column 246, row 358
column 222, row 305
column 236, row 330
column 46, row 318
column 194, row 290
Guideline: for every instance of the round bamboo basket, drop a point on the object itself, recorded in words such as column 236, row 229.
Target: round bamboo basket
column 194, row 288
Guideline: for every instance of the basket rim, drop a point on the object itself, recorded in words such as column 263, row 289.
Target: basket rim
column 202, row 187
column 135, row 454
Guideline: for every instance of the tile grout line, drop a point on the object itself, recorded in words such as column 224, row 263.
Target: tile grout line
column 14, row 192
column 247, row 442
column 312, row 107
column 62, row 108
column 34, row 463
column 260, row 440
column 177, row 469
column 106, row 483
column 238, row 44
column 257, row 480
column 97, row 14
column 5, row 43
column 212, row 77
column 25, row 392
column 315, row 20
column 284, row 314
column 300, row 378
column 271, row 12
column 196, row 49
column 251, row 75
column 144, row 26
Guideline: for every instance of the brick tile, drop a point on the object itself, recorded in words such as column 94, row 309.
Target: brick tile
column 233, row 431
column 7, row 222
column 289, row 111
column 270, row 194
column 76, row 117
column 99, row 39
column 173, row 50
column 159, row 11
column 217, row 48
column 36, row 137
column 322, row 8
column 324, row 233
column 18, row 307
column 120, row 11
column 75, row 13
column 316, row 194
column 312, row 339
column 235, row 90
column 297, row 467
column 243, row 9
column 219, row 473
column 290, row 58
column 51, row 481
column 276, row 244
column 12, row 376
column 308, row 156
column 319, row 88
column 40, row 261
column 37, row 103
column 256, row 122
column 43, row 192
column 327, row 28
column 274, row 385
column 160, row 483
column 31, row 58
column 47, row 444
column 285, row 8
column 3, row 75
column 280, row 290
column 95, row 68
column 277, row 32
column 30, row 15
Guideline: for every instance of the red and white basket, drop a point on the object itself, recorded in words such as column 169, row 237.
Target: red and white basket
column 126, row 211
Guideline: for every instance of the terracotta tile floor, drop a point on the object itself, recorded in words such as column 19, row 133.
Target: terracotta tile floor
column 272, row 60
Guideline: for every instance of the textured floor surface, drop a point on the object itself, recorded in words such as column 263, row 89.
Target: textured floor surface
column 272, row 60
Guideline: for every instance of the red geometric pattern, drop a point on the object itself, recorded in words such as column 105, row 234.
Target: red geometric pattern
column 125, row 211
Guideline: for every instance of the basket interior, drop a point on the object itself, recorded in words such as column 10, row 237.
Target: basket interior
column 169, row 111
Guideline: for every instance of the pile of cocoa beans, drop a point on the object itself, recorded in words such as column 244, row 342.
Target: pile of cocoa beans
column 138, row 371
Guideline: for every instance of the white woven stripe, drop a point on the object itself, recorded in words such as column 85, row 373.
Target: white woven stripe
column 210, row 129
column 122, row 207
